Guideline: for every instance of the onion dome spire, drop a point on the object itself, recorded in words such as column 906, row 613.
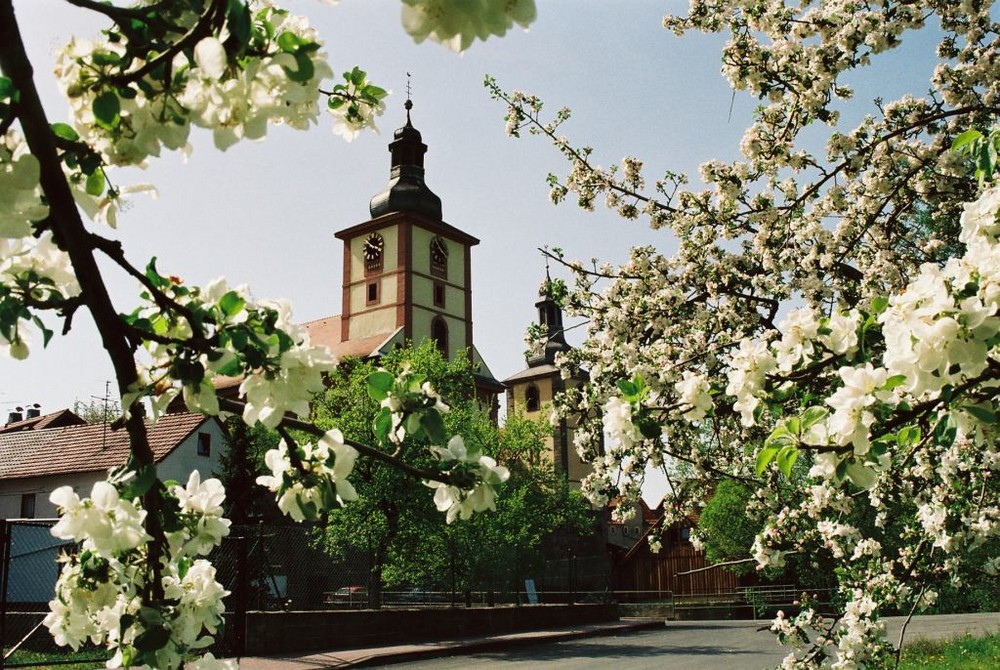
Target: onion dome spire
column 406, row 190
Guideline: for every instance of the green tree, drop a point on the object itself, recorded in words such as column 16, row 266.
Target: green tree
column 395, row 522
column 389, row 507
column 726, row 528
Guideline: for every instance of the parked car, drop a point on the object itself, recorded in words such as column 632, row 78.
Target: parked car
column 355, row 597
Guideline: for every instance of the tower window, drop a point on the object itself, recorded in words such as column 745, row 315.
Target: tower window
column 372, row 296
column 204, row 444
column 438, row 294
column 439, row 333
column 373, row 253
column 531, row 403
column 439, row 258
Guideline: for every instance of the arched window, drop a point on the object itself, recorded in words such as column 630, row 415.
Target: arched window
column 531, row 403
column 373, row 253
column 439, row 333
column 439, row 257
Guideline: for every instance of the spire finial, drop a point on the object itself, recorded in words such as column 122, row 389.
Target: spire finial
column 409, row 103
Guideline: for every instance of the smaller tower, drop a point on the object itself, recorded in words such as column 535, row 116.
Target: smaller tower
column 531, row 391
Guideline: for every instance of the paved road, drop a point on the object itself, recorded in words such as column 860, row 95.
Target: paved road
column 691, row 646
column 694, row 645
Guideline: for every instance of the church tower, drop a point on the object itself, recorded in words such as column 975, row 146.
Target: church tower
column 531, row 391
column 407, row 274
column 405, row 268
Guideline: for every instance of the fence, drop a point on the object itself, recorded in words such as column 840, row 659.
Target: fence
column 267, row 568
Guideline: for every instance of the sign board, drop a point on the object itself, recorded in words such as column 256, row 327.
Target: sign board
column 529, row 588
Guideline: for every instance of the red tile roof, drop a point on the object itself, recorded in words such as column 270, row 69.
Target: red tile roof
column 63, row 417
column 326, row 332
column 86, row 448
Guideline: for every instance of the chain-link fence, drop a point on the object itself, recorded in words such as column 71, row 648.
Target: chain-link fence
column 28, row 572
column 265, row 568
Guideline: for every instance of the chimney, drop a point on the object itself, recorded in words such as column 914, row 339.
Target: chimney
column 14, row 417
column 34, row 411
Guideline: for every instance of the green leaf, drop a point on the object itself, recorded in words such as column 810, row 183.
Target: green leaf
column 290, row 42
column 95, row 183
column 765, row 456
column 628, row 389
column 65, row 131
column 894, row 381
column 984, row 414
column 433, row 426
column 357, row 76
column 944, row 431
column 786, row 459
column 232, row 303
column 305, row 69
column 138, row 485
column 380, row 383
column 238, row 22
column 813, row 415
column 155, row 278
column 965, row 138
column 382, row 424
column 107, row 110
column 908, row 435
column 649, row 428
column 7, row 90
column 879, row 303
column 152, row 639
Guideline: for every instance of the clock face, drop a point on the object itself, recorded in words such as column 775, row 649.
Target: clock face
column 439, row 252
column 373, row 247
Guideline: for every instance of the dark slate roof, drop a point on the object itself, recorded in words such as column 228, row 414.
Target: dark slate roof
column 86, row 448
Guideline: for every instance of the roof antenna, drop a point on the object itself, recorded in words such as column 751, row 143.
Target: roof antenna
column 106, row 399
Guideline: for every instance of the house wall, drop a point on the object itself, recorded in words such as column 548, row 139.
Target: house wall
column 178, row 466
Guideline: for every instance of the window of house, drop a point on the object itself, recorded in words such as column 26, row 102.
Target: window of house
column 204, row 444
column 439, row 258
column 373, row 253
column 439, row 333
column 372, row 296
column 28, row 506
column 685, row 534
column 438, row 294
column 531, row 403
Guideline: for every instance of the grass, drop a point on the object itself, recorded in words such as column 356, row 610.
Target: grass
column 58, row 660
column 965, row 653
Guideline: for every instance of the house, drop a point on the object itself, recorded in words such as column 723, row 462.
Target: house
column 41, row 453
column 678, row 568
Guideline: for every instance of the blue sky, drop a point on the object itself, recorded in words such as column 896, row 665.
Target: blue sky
column 265, row 213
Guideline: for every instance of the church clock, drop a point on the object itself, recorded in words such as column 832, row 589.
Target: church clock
column 439, row 257
column 374, row 245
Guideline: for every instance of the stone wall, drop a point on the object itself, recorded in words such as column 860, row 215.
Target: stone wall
column 280, row 632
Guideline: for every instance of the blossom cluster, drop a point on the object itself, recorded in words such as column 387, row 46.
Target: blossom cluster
column 220, row 331
column 458, row 23
column 103, row 594
column 461, row 463
column 834, row 307
column 314, row 479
